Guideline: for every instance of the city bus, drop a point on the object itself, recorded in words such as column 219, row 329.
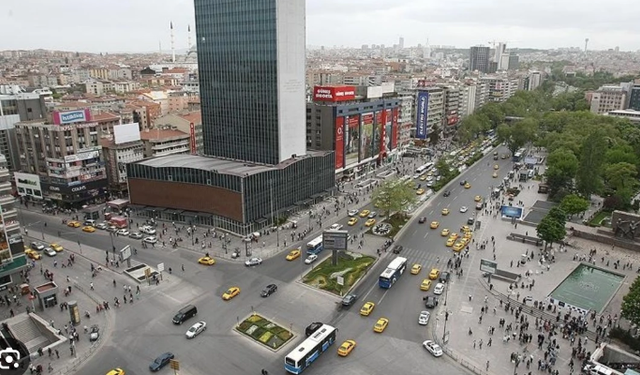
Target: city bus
column 517, row 157
column 424, row 168
column 306, row 353
column 391, row 274
column 315, row 246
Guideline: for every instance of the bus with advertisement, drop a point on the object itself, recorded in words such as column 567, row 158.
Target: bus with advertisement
column 315, row 246
column 306, row 353
column 392, row 273
column 424, row 168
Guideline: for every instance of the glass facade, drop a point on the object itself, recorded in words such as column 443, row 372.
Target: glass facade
column 238, row 72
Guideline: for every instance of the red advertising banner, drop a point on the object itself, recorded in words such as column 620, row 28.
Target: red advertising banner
column 367, row 118
column 394, row 130
column 452, row 120
column 354, row 121
column 334, row 93
column 192, row 138
column 379, row 119
column 339, row 142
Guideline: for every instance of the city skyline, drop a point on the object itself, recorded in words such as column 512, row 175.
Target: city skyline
column 136, row 26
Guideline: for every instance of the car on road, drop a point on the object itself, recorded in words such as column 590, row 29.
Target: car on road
column 150, row 239
column 455, row 236
column 268, row 290
column 364, row 213
column 352, row 213
column 381, row 325
column 464, row 209
column 479, row 206
column 496, row 167
column 430, row 302
column 423, row 177
column 293, row 254
column 477, row 198
column 88, row 229
column 416, row 268
column 434, row 225
column 467, row 185
column 467, row 235
column 112, row 229
column 458, row 246
column 310, row 259
column 73, row 224
column 433, row 348
column 56, row 247
column 425, row 285
column 94, row 333
column 161, row 361
column 422, row 220
column 349, row 299
column 465, row 229
column 312, row 328
column 450, row 242
column 136, row 235
column 147, row 230
column 32, row 254
column 336, row 226
column 423, row 318
column 463, row 182
column 470, row 221
column 207, row 261
column 444, row 276
column 37, row 246
column 123, row 232
column 352, row 221
column 397, row 249
column 439, row 289
column 101, row 226
column 434, row 273
column 445, row 232
column 445, row 211
column 370, row 223
column 49, row 252
column 495, row 175
column 446, row 193
column 116, row 371
column 367, row 308
column 230, row 293
column 255, row 261
column 196, row 329
column 420, row 191
column 372, row 215
column 346, row 348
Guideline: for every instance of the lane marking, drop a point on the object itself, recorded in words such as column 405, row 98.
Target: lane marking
column 425, row 236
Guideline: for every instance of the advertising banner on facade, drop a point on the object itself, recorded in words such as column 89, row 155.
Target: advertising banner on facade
column 366, row 136
column 379, row 119
column 334, row 93
column 339, row 142
column 352, row 139
column 28, row 185
column 421, row 114
column 394, row 129
column 386, row 132
column 192, row 138
column 82, row 156
column 69, row 117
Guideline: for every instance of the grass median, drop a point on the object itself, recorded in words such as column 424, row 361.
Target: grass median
column 351, row 266
column 264, row 331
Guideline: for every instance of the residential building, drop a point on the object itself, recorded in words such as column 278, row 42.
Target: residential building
column 257, row 166
column 482, row 93
column 98, row 87
column 406, row 121
column 125, row 86
column 13, row 260
column 607, row 99
column 117, row 152
column 479, row 59
column 630, row 114
column 435, row 109
column 189, row 123
column 159, row 97
column 467, row 101
column 162, row 141
column 499, row 87
column 533, row 81
column 177, row 102
column 99, row 73
column 451, row 117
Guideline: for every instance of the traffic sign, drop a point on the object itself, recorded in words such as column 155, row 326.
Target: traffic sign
column 175, row 365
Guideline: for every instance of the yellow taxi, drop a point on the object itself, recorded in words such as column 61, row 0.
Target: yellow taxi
column 465, row 229
column 423, row 177
column 352, row 221
column 454, row 236
column 370, row 222
column 381, row 325
column 88, row 229
column 495, row 175
column 367, row 308
column 364, row 213
column 232, row 292
column 416, row 268
column 33, row 254
column 56, row 247
column 420, row 191
column 450, row 242
column 434, row 274
column 434, row 225
column 116, row 371
column 467, row 185
column 425, row 284
column 445, row 211
column 294, row 254
column 73, row 224
column 445, row 232
column 467, row 235
column 458, row 246
column 496, row 167
column 207, row 261
column 477, row 198
column 346, row 348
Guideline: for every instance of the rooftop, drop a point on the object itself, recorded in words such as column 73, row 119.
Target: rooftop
column 193, row 117
column 153, row 134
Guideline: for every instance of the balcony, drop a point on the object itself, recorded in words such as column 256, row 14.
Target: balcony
column 7, row 199
column 10, row 225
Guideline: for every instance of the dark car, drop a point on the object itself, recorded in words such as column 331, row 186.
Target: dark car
column 397, row 249
column 430, row 302
column 312, row 328
column 349, row 299
column 269, row 290
column 445, row 276
column 422, row 220
column 161, row 361
column 463, row 182
column 447, row 193
column 470, row 221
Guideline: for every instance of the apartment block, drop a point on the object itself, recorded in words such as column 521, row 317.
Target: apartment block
column 162, row 142
column 12, row 257
column 607, row 99
column 123, row 148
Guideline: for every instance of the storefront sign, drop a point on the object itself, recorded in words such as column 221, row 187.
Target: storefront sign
column 28, row 185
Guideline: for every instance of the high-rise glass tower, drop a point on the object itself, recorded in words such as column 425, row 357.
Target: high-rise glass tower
column 251, row 61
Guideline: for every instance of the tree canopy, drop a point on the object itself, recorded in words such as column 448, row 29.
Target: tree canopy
column 630, row 308
column 394, row 196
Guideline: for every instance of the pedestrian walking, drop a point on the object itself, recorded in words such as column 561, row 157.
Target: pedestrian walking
column 57, row 354
column 91, row 286
column 487, row 366
column 474, row 344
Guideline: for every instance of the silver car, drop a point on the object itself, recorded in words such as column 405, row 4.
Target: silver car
column 136, row 235
column 253, row 262
column 150, row 239
column 123, row 232
column 439, row 289
column 433, row 348
column 423, row 318
column 196, row 329
column 49, row 251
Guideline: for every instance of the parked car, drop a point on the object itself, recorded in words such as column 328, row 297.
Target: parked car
column 101, row 226
column 349, row 299
column 123, row 232
column 430, row 302
column 433, row 348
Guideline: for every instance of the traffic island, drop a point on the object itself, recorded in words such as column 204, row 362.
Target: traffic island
column 397, row 221
column 264, row 331
column 340, row 278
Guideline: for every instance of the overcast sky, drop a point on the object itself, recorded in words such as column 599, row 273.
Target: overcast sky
column 140, row 25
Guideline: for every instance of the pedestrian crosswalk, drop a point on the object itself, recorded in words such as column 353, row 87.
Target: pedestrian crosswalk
column 427, row 258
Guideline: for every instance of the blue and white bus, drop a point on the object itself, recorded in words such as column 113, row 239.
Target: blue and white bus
column 392, row 273
column 304, row 354
column 315, row 246
column 517, row 157
column 424, row 168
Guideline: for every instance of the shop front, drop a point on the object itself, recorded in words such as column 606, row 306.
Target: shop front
column 77, row 194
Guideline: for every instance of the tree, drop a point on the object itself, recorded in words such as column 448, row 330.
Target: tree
column 562, row 165
column 550, row 230
column 518, row 134
column 394, row 196
column 621, row 176
column 630, row 308
column 434, row 136
column 589, row 175
column 559, row 215
column 573, row 204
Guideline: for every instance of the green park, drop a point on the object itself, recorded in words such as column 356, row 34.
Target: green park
column 264, row 331
column 338, row 279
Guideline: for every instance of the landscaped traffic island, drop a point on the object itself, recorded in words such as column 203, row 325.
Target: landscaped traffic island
column 350, row 268
column 264, row 331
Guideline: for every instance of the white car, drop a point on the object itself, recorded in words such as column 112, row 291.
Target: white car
column 423, row 319
column 123, row 232
column 136, row 235
column 150, row 239
column 49, row 251
column 352, row 213
column 433, row 348
column 253, row 262
column 310, row 259
column 147, row 230
column 336, row 226
column 439, row 289
column 196, row 329
column 464, row 209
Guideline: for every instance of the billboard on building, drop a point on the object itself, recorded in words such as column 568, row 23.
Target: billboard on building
column 192, row 138
column 334, row 93
column 452, row 120
column 394, row 129
column 28, row 185
column 126, row 133
column 366, row 136
column 352, row 139
column 339, row 142
column 377, row 133
column 83, row 155
column 69, row 117
column 421, row 114
column 386, row 133
column 423, row 83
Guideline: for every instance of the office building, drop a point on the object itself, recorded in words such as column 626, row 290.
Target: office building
column 251, row 61
column 533, row 81
column 467, row 101
column 479, row 59
column 514, row 61
column 607, row 99
column 12, row 256
column 401, row 43
column 634, row 97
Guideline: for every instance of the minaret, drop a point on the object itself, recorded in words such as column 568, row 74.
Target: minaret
column 189, row 36
column 173, row 47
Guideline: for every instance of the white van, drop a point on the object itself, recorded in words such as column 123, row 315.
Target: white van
column 598, row 370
